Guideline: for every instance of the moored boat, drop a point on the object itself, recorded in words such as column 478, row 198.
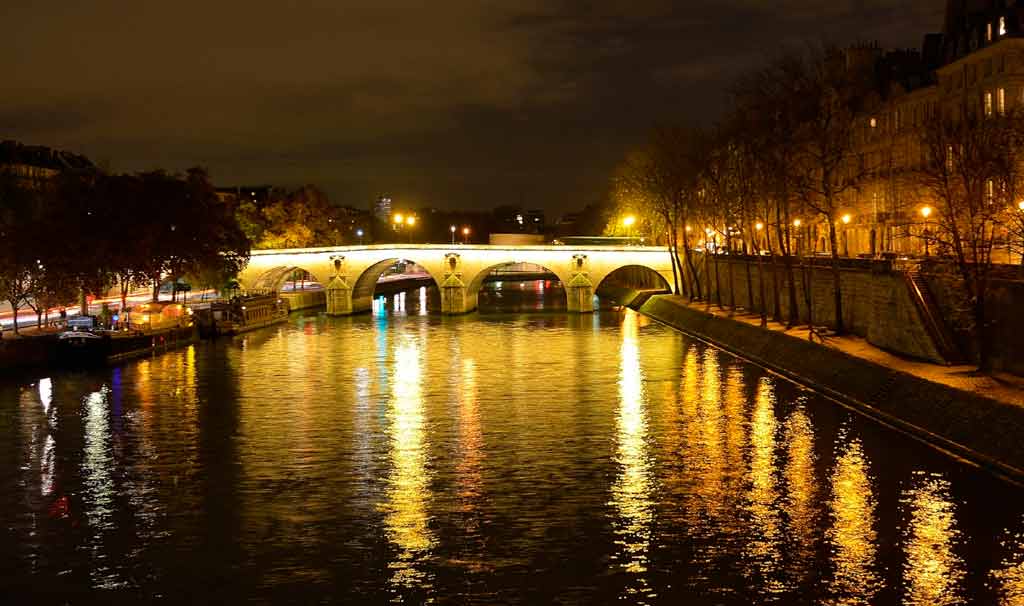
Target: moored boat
column 243, row 313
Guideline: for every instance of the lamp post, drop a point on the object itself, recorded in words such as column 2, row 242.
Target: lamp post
column 410, row 222
column 846, row 218
column 758, row 228
column 452, row 229
column 926, row 212
column 359, row 233
column 465, row 235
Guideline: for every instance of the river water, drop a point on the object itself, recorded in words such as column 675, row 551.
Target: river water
column 502, row 458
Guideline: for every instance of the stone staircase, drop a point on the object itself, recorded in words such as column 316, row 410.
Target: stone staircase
column 931, row 316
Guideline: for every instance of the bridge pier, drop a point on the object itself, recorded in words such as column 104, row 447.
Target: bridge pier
column 455, row 295
column 579, row 291
column 339, row 291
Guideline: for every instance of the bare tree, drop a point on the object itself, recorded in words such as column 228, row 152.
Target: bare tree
column 972, row 171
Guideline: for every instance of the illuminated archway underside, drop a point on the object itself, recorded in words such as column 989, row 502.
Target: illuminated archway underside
column 274, row 278
column 349, row 272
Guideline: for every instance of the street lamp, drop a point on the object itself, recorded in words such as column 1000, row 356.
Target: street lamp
column 465, row 235
column 628, row 222
column 398, row 218
column 846, row 219
column 926, row 212
column 359, row 233
column 452, row 229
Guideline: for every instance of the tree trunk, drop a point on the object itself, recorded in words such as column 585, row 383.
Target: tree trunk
column 156, row 289
column 695, row 289
column 718, row 281
column 981, row 336
column 675, row 274
column 837, row 291
column 760, row 280
column 750, row 286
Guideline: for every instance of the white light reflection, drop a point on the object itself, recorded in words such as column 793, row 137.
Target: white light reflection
column 631, row 492
column 423, row 300
column 46, row 393
column 405, row 510
column 97, row 476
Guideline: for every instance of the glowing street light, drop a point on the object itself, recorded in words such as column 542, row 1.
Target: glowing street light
column 359, row 233
column 465, row 235
column 452, row 229
column 1020, row 205
column 399, row 219
column 846, row 219
column 926, row 212
column 759, row 226
column 796, row 222
column 629, row 220
column 410, row 220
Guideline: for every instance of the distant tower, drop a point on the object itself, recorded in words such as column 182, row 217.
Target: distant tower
column 382, row 208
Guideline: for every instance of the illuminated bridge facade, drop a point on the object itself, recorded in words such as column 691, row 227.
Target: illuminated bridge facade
column 350, row 273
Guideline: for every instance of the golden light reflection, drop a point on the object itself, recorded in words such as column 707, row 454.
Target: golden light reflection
column 631, row 492
column 763, row 548
column 933, row 573
column 1009, row 578
column 852, row 532
column 801, row 491
column 471, row 439
column 407, row 494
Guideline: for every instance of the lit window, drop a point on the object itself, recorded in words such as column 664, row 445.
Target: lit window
column 988, row 103
column 1001, row 101
column 988, row 32
column 1002, row 26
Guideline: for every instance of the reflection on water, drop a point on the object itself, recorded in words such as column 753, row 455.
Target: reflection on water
column 762, row 501
column 631, row 491
column 801, row 493
column 482, row 459
column 405, row 510
column 852, row 534
column 933, row 571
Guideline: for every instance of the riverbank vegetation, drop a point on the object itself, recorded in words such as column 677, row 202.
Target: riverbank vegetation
column 777, row 179
column 81, row 233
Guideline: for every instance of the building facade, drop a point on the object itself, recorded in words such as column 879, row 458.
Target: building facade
column 974, row 66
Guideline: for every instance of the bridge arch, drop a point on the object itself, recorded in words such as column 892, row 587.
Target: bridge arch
column 477, row 283
column 274, row 278
column 623, row 282
column 365, row 283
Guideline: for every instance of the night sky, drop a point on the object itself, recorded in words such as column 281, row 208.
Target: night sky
column 452, row 104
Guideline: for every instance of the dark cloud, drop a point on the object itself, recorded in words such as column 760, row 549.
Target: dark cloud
column 454, row 104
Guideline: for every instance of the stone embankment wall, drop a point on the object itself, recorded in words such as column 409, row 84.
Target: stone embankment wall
column 305, row 299
column 1004, row 309
column 877, row 303
column 975, row 428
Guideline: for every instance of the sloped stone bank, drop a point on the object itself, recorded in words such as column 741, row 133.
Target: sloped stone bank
column 981, row 430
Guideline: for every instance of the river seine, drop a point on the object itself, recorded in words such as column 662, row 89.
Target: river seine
column 496, row 458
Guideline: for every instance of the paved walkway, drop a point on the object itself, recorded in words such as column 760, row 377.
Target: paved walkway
column 1000, row 386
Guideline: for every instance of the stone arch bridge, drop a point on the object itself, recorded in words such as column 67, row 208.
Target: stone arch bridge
column 350, row 273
